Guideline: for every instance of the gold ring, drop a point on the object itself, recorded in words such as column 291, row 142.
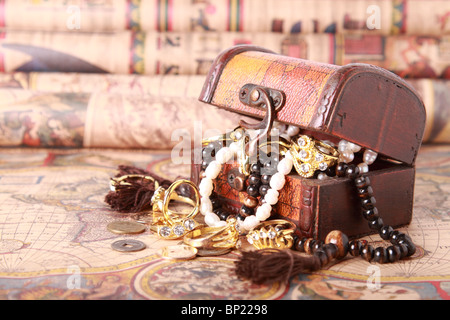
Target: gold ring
column 168, row 223
column 170, row 194
column 160, row 202
column 311, row 155
column 273, row 234
column 214, row 238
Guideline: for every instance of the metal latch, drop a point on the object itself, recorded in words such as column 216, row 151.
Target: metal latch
column 262, row 98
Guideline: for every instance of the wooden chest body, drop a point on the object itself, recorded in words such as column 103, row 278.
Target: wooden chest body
column 359, row 103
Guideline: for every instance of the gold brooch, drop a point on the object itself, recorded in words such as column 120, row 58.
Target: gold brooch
column 311, row 155
column 273, row 234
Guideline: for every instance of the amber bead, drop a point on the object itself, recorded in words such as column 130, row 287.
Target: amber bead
column 393, row 253
column 354, row 247
column 368, row 203
column 385, row 232
column 352, row 171
column 365, row 192
column 323, row 257
column 330, row 249
column 308, row 245
column 246, row 211
column 376, row 224
column 380, row 255
column 362, row 181
column 367, row 252
column 396, row 236
column 299, row 244
column 339, row 239
column 341, row 168
column 250, row 202
column 239, row 183
column 407, row 241
column 370, row 214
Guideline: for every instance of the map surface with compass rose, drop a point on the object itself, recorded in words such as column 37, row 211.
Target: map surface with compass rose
column 54, row 241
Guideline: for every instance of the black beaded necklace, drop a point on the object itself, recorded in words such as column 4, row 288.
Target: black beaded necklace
column 255, row 185
column 336, row 244
column 271, row 265
column 402, row 245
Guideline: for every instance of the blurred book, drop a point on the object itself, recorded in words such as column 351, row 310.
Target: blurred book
column 286, row 16
column 192, row 53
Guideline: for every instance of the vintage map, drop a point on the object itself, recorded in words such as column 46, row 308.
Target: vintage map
column 54, row 243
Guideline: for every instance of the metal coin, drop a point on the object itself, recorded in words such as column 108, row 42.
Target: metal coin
column 128, row 245
column 126, row 227
column 178, row 252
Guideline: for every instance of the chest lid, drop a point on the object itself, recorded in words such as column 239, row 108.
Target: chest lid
column 360, row 103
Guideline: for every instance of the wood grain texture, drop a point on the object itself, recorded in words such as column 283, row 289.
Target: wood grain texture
column 360, row 103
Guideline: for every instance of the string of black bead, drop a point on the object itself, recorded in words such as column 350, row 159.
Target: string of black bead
column 255, row 185
column 338, row 246
column 402, row 245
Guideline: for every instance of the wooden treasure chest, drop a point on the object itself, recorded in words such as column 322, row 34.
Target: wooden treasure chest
column 359, row 104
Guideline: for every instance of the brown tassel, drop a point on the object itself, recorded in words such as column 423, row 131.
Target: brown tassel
column 136, row 195
column 267, row 266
